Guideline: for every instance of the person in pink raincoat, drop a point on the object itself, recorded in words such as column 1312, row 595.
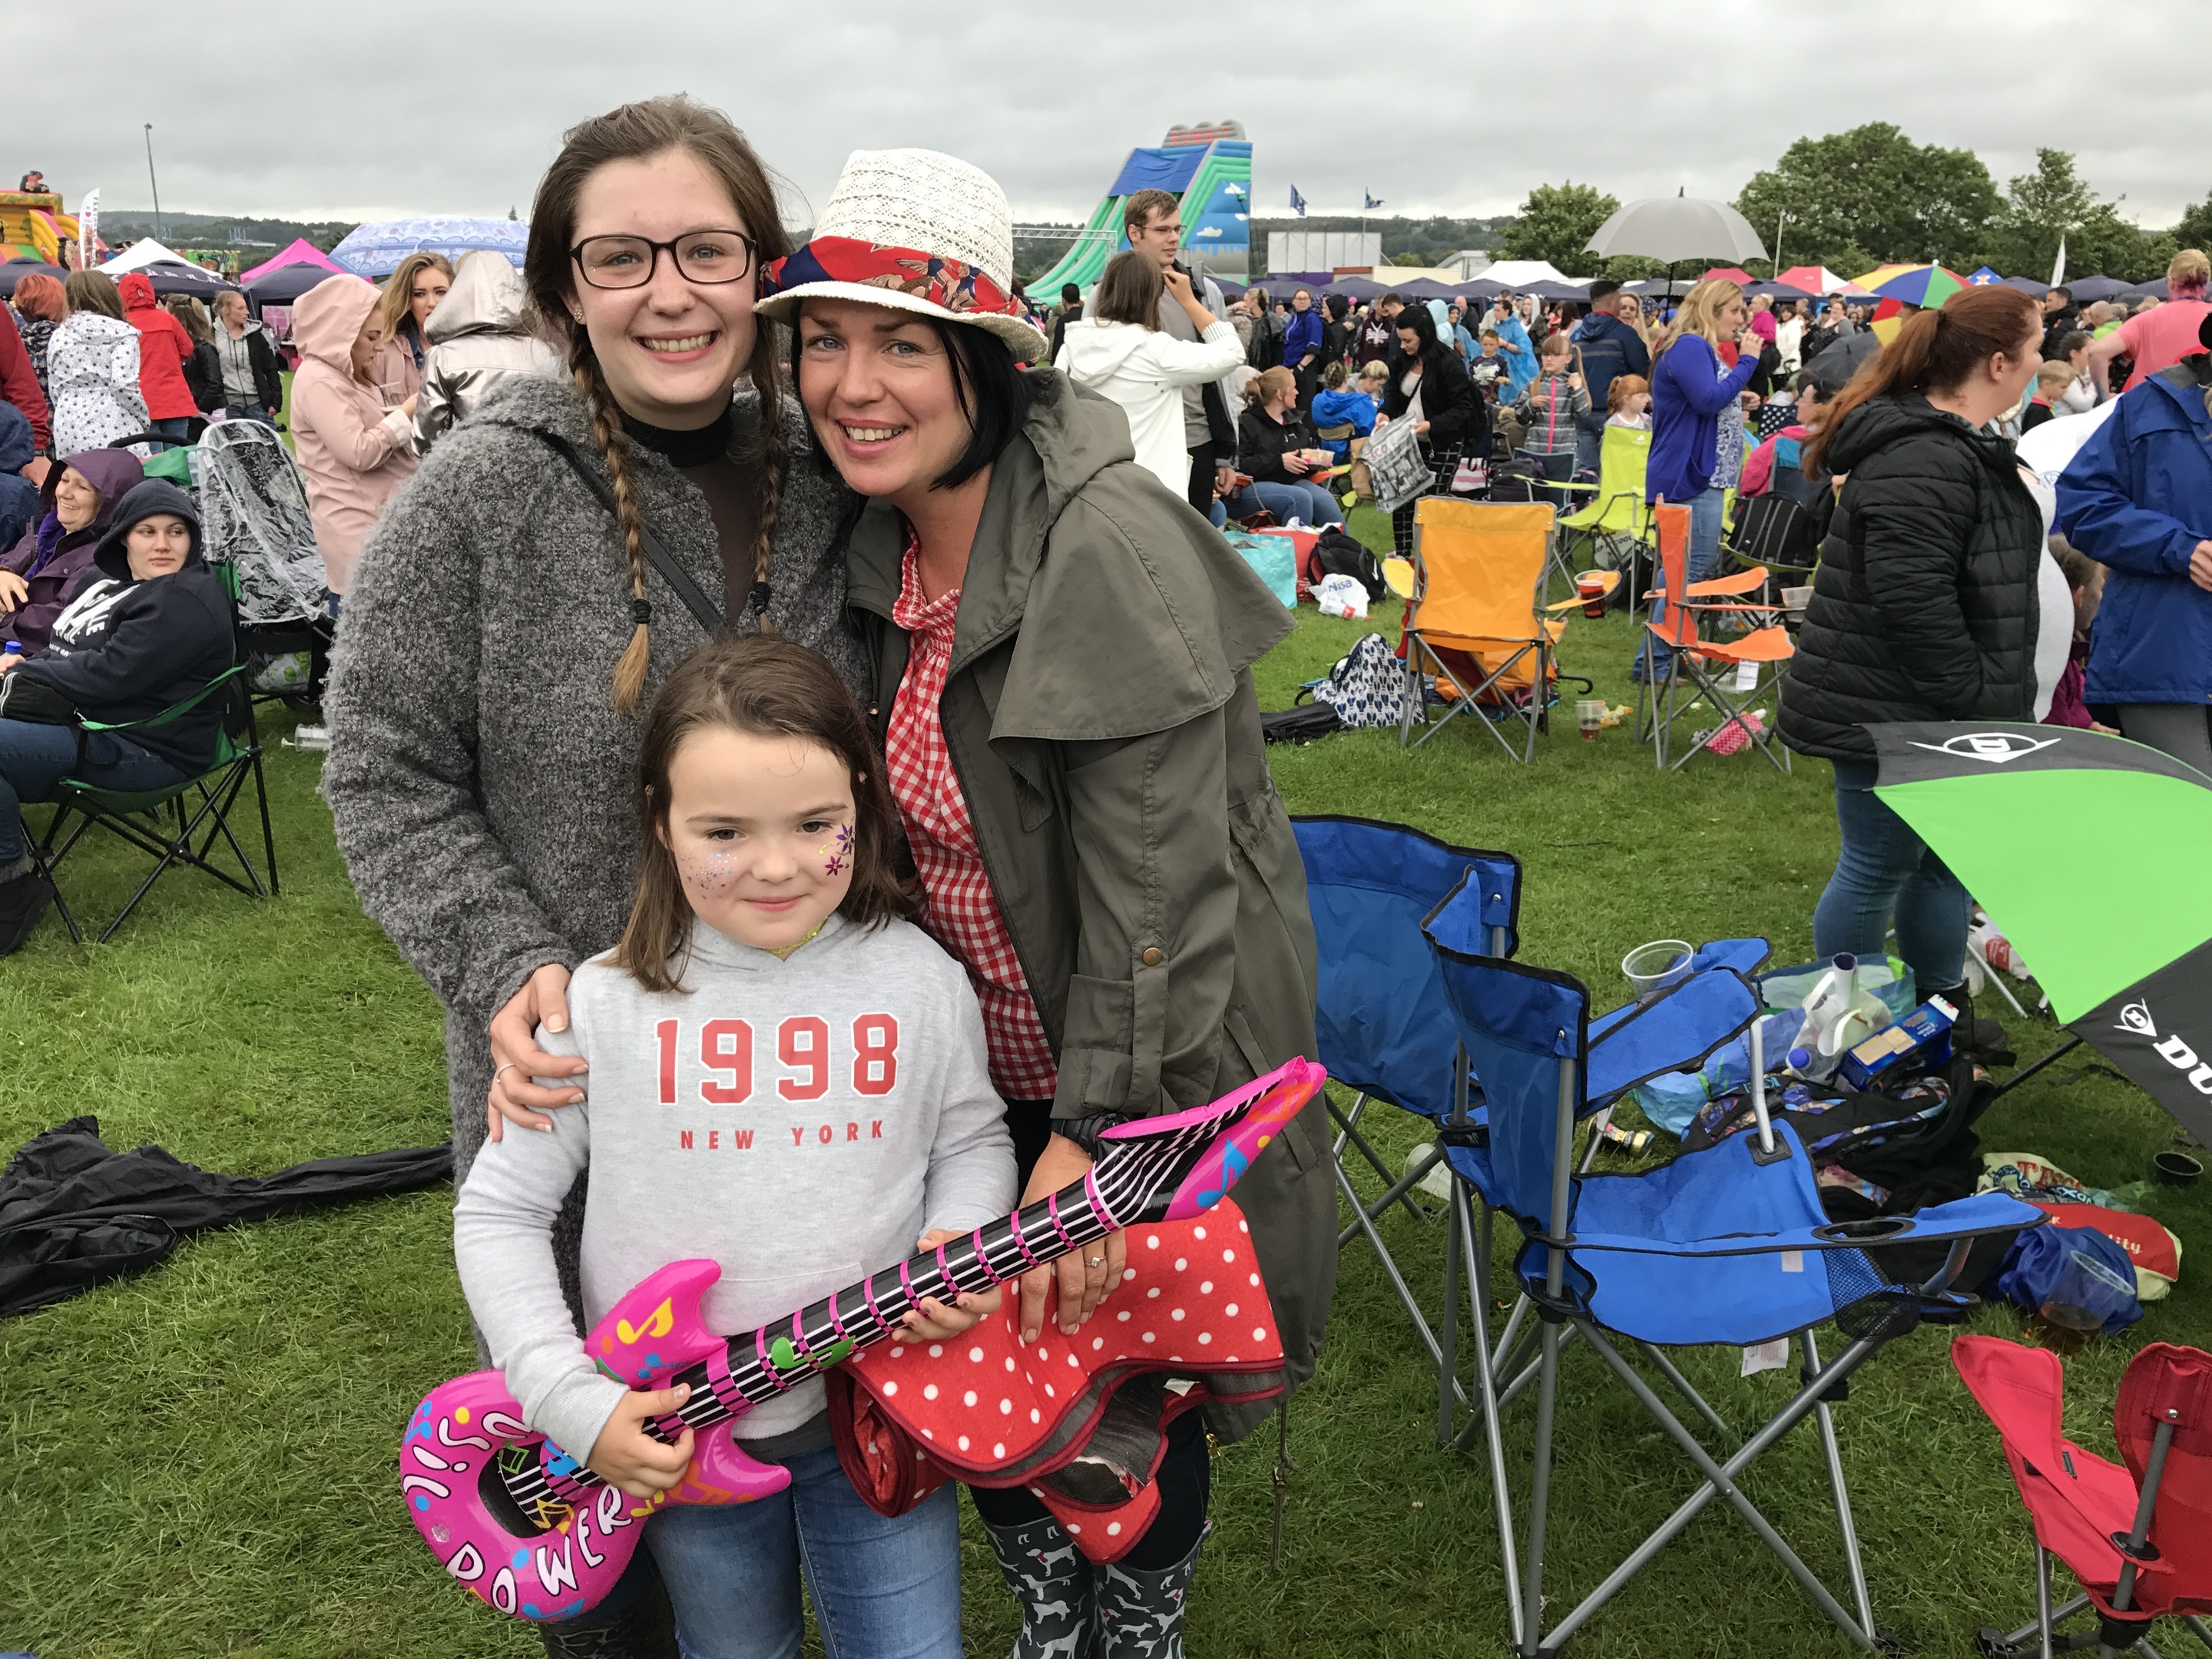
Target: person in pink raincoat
column 355, row 451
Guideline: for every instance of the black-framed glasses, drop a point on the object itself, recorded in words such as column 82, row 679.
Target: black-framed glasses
column 700, row 256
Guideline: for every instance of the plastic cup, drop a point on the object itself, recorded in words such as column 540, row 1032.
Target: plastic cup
column 1656, row 967
column 1593, row 597
column 2176, row 1169
column 1590, row 715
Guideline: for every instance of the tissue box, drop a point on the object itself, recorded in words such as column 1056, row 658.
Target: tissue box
column 1923, row 1036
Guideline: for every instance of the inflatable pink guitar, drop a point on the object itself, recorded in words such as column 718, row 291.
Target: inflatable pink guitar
column 531, row 1531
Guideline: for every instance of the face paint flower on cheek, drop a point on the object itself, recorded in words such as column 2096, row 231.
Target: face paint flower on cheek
column 837, row 851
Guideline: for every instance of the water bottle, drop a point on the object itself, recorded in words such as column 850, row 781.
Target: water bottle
column 13, row 648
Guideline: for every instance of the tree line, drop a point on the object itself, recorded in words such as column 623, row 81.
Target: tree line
column 1871, row 196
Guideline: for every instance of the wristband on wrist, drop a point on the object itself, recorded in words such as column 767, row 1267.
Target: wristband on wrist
column 1084, row 1130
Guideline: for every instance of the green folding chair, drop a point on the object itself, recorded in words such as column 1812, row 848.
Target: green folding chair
column 1616, row 506
column 179, row 823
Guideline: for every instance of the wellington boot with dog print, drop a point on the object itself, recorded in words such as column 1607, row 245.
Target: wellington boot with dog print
column 1052, row 1581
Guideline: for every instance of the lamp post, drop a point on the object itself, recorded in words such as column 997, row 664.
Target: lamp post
column 1780, row 220
column 161, row 230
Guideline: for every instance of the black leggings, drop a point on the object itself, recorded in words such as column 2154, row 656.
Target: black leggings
column 1185, row 1474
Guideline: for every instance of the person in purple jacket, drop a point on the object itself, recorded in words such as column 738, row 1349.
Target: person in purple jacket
column 1690, row 388
column 41, row 573
column 1301, row 344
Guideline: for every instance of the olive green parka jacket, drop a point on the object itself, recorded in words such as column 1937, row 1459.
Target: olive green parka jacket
column 1100, row 714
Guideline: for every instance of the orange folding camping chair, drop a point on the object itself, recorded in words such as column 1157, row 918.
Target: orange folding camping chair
column 1473, row 621
column 1714, row 667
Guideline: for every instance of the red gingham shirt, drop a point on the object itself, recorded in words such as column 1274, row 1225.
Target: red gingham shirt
column 962, row 914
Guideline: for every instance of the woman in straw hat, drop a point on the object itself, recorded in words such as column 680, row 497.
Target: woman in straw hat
column 507, row 624
column 1060, row 653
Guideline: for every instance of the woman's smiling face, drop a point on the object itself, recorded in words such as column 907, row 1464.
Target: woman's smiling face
column 671, row 349
column 877, row 382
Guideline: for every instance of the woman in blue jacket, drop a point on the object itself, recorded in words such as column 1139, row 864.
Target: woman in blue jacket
column 1302, row 338
column 1690, row 388
column 2138, row 499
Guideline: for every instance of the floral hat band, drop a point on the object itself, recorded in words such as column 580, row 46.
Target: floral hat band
column 943, row 283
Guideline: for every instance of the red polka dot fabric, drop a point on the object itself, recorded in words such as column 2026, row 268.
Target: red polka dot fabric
column 992, row 1412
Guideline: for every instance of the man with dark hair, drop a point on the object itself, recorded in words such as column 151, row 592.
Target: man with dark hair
column 1152, row 222
column 2061, row 317
column 1610, row 347
column 1070, row 305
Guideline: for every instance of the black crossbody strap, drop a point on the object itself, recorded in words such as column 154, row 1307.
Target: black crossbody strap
column 695, row 601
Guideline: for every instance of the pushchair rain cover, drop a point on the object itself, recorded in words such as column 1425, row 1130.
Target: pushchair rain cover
column 253, row 514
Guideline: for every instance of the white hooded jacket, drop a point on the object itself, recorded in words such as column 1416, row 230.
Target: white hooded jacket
column 1145, row 371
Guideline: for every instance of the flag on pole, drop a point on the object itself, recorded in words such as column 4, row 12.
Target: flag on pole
column 1298, row 202
column 88, row 228
column 1371, row 201
column 2058, row 265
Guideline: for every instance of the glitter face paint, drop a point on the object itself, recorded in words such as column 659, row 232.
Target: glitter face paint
column 761, row 830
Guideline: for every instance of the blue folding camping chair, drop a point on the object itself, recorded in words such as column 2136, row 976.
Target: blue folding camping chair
column 1727, row 1246
column 1385, row 1031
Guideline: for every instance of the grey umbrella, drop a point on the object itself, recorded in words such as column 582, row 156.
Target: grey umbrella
column 1838, row 362
column 1678, row 227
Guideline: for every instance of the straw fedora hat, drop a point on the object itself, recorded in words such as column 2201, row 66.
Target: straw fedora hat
column 916, row 230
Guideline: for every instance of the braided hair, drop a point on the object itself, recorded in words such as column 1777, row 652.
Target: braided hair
column 634, row 132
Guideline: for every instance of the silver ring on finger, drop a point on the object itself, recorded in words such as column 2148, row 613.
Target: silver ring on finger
column 1094, row 1260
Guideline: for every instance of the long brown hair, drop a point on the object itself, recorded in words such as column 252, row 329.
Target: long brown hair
column 395, row 303
column 630, row 133
column 189, row 311
column 1935, row 351
column 1130, row 290
column 767, row 687
column 93, row 290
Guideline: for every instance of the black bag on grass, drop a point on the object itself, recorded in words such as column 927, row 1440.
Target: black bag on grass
column 1300, row 724
column 1336, row 554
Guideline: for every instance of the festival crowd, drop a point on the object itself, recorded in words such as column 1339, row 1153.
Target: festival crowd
column 864, row 673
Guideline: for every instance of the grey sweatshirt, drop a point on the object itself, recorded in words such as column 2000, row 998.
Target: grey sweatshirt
column 804, row 1123
column 481, row 780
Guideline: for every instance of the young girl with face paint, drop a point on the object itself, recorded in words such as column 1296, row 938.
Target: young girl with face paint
column 786, row 1076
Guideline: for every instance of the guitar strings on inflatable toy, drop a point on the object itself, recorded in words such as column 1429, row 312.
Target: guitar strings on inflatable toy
column 534, row 1532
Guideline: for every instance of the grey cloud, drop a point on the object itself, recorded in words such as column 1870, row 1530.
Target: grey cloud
column 311, row 110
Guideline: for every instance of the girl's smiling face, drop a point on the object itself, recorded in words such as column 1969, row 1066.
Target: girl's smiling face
column 761, row 829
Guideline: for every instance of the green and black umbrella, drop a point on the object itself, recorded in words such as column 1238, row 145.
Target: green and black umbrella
column 2095, row 855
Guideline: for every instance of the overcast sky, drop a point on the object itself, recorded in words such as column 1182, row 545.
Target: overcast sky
column 317, row 111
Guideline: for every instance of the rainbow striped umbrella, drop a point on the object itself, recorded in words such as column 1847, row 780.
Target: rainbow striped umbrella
column 1918, row 285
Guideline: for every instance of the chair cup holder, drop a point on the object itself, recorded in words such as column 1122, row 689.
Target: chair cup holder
column 1870, row 1230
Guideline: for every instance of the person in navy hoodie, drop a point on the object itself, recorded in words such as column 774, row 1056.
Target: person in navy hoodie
column 1609, row 348
column 1690, row 387
column 152, row 632
column 2138, row 499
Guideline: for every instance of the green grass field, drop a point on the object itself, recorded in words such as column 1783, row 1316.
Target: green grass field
column 199, row 1461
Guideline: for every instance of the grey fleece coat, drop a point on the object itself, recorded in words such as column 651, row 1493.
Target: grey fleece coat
column 480, row 779
column 1100, row 713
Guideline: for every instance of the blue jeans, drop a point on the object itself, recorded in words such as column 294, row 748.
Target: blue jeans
column 34, row 758
column 178, row 426
column 247, row 412
column 882, row 1589
column 1310, row 503
column 1708, row 514
column 1883, row 866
